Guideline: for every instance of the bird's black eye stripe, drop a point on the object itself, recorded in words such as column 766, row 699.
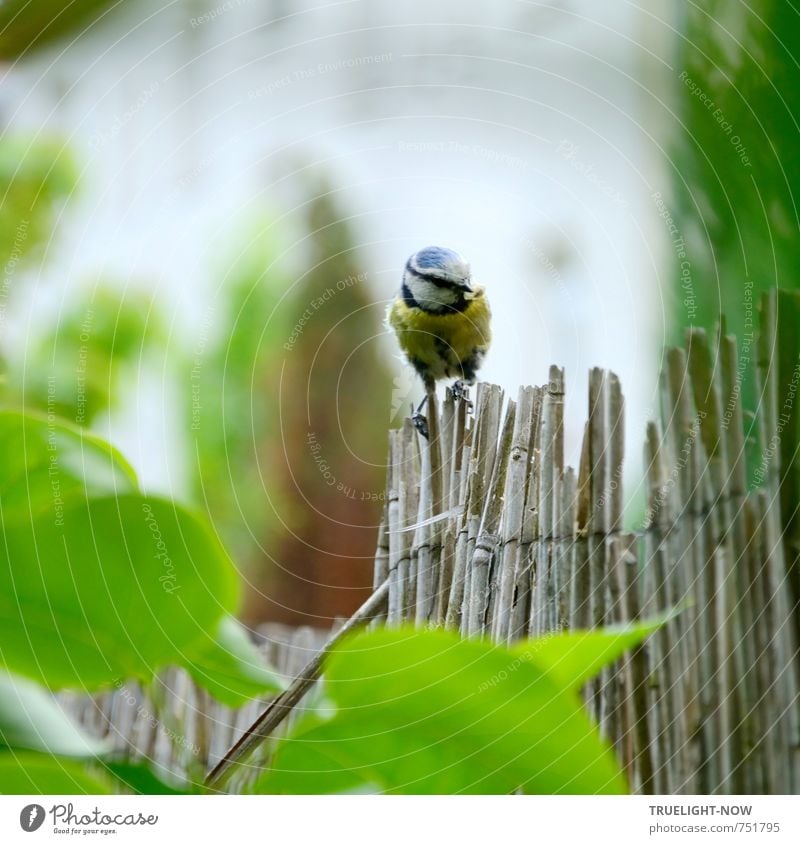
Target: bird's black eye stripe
column 456, row 308
column 433, row 279
column 408, row 297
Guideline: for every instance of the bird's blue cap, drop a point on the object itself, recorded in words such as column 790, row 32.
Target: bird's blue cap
column 442, row 263
column 436, row 258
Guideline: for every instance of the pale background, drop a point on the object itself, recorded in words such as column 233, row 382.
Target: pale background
column 529, row 137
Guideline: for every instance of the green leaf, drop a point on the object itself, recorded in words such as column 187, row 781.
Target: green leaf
column 573, row 658
column 122, row 587
column 140, row 778
column 428, row 712
column 26, row 25
column 37, row 773
column 32, row 720
column 231, row 667
column 48, row 464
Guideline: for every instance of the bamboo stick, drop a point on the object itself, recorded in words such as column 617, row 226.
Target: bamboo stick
column 524, row 564
column 514, row 507
column 410, row 493
column 611, row 503
column 686, row 560
column 662, row 718
column 396, row 514
column 488, row 539
column 550, row 430
column 566, row 500
column 597, row 527
column 637, row 698
column 580, row 604
column 740, row 548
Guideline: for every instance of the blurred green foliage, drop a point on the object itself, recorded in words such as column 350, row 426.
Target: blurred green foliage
column 86, row 465
column 232, row 371
column 334, row 397
column 78, row 367
column 34, row 176
column 736, row 177
column 152, row 584
column 779, row 457
column 36, row 773
column 58, row 488
column 277, row 359
column 26, row 25
column 735, row 164
column 268, row 366
column 31, row 719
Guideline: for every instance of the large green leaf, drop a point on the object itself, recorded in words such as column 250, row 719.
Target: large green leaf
column 230, row 666
column 48, row 463
column 575, row 657
column 120, row 587
column 141, row 778
column 36, row 773
column 30, row 719
column 428, row 712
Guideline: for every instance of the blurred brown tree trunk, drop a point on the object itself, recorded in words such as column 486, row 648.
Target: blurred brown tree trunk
column 333, row 403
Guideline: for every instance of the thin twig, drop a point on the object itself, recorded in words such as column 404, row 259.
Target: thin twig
column 284, row 703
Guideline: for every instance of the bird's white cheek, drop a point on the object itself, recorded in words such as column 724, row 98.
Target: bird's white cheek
column 431, row 296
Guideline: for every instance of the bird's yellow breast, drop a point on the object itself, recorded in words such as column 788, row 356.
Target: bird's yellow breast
column 442, row 342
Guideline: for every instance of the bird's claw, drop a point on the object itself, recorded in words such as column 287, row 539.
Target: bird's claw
column 420, row 422
column 460, row 391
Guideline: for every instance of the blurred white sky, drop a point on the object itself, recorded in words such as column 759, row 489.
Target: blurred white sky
column 527, row 136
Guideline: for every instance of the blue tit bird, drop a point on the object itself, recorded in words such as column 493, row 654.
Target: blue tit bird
column 441, row 319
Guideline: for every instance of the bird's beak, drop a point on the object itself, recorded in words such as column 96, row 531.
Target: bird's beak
column 466, row 286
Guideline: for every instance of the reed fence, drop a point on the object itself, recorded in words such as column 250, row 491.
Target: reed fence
column 488, row 532
column 178, row 728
